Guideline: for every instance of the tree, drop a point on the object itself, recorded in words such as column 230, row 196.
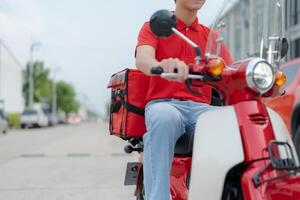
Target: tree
column 42, row 83
column 66, row 97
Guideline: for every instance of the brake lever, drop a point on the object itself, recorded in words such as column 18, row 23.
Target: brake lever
column 283, row 93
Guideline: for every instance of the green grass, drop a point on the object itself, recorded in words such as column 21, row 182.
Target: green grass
column 14, row 120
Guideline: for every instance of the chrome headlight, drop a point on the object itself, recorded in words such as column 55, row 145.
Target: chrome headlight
column 260, row 75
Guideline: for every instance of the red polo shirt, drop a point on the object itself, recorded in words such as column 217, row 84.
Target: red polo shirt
column 174, row 47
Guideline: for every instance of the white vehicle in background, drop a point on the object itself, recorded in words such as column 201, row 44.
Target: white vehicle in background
column 34, row 117
column 52, row 118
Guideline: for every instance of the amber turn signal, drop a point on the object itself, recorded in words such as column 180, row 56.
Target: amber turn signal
column 280, row 78
column 216, row 66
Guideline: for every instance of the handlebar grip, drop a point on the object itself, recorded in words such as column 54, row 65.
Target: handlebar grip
column 157, row 70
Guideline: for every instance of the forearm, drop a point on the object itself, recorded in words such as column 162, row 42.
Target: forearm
column 145, row 63
column 145, row 59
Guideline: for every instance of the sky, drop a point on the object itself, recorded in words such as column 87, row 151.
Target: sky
column 85, row 41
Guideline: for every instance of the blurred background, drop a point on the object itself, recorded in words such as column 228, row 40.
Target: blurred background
column 56, row 59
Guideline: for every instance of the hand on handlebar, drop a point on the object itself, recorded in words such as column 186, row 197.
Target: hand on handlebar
column 172, row 65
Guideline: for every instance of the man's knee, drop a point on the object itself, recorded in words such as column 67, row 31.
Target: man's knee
column 163, row 114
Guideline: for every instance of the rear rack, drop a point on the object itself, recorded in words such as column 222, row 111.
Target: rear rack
column 288, row 163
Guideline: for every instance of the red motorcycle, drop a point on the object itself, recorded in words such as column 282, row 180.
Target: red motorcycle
column 242, row 150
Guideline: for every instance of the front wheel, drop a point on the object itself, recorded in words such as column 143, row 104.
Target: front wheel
column 297, row 141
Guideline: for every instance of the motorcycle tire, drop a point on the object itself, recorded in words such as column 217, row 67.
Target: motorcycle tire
column 297, row 141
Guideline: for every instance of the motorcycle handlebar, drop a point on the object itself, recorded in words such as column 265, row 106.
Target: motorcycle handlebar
column 160, row 71
column 157, row 70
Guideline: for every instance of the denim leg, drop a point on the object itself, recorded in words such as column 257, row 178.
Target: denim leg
column 198, row 109
column 165, row 125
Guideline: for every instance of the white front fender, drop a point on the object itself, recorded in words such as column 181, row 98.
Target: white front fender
column 217, row 148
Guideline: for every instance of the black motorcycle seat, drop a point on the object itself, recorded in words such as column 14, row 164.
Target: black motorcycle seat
column 184, row 145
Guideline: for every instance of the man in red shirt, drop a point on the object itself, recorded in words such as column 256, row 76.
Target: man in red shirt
column 172, row 110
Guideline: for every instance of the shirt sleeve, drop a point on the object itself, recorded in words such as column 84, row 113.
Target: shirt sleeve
column 146, row 37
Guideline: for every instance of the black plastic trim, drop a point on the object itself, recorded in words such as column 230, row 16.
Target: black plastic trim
column 295, row 122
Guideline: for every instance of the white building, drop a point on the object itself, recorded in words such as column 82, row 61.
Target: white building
column 11, row 81
column 245, row 24
column 243, row 31
column 292, row 26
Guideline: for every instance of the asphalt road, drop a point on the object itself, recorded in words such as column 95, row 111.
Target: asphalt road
column 63, row 163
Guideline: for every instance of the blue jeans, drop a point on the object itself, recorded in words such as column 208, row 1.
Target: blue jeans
column 166, row 121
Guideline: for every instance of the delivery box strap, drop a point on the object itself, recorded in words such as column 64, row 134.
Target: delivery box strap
column 116, row 105
column 132, row 108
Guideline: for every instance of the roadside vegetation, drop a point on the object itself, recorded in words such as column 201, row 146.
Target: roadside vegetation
column 66, row 95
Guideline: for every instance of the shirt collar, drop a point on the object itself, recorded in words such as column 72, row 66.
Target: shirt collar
column 181, row 25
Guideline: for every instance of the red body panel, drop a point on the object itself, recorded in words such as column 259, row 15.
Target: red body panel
column 256, row 129
column 257, row 132
column 285, row 188
column 285, row 105
column 180, row 171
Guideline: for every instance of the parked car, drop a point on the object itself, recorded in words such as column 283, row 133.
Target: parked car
column 288, row 105
column 52, row 118
column 3, row 121
column 74, row 119
column 33, row 117
column 61, row 119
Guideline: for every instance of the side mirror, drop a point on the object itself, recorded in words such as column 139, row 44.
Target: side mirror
column 162, row 22
column 284, row 47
